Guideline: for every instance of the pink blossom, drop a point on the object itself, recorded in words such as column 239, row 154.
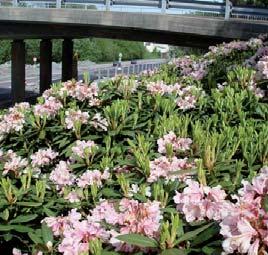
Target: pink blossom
column 198, row 202
column 178, row 144
column 92, row 177
column 73, row 197
column 169, row 168
column 61, row 175
column 12, row 121
column 43, row 157
column 245, row 229
column 14, row 163
column 158, row 88
column 75, row 117
column 83, row 149
column 49, row 108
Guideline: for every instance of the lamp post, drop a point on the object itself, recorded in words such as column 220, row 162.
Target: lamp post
column 120, row 61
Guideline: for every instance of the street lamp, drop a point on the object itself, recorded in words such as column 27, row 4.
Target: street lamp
column 120, row 61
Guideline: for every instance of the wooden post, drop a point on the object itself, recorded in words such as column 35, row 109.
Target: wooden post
column 67, row 60
column 45, row 64
column 18, row 71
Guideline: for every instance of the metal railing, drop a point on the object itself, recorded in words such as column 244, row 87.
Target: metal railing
column 196, row 7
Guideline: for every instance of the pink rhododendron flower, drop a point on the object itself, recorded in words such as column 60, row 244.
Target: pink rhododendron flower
column 158, row 88
column 83, row 149
column 73, row 197
column 14, row 163
column 198, row 202
column 178, row 144
column 91, row 177
column 169, row 168
column 12, row 121
column 75, row 232
column 245, row 229
column 43, row 157
column 61, row 175
column 75, row 117
column 49, row 108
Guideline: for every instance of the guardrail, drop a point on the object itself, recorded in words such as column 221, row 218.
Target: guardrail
column 196, row 7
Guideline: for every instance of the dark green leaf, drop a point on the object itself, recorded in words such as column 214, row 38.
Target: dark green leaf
column 138, row 240
column 35, row 238
column 47, row 233
column 192, row 234
column 24, row 218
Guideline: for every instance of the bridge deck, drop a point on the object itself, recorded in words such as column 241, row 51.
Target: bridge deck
column 22, row 23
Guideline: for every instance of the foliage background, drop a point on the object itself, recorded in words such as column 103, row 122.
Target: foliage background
column 94, row 49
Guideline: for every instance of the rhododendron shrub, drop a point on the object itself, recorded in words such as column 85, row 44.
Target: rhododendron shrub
column 171, row 161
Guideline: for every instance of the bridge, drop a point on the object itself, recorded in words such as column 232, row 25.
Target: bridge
column 160, row 25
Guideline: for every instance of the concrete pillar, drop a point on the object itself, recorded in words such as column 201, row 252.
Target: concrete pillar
column 45, row 64
column 67, row 60
column 18, row 71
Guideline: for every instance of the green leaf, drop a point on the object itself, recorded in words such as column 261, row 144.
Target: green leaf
column 206, row 235
column 29, row 204
column 24, row 218
column 49, row 212
column 5, row 227
column 47, row 233
column 173, row 252
column 192, row 234
column 35, row 238
column 138, row 240
column 21, row 229
column 107, row 192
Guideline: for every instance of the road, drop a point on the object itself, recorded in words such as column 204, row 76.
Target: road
column 96, row 71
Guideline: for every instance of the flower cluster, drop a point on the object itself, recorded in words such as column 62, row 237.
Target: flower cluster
column 13, row 163
column 169, row 168
column 198, row 202
column 83, row 149
column 245, row 229
column 75, row 118
column 75, row 232
column 13, row 120
column 195, row 69
column 262, row 68
column 129, row 216
column 91, row 177
column 61, row 176
column 43, row 157
column 176, row 143
column 48, row 109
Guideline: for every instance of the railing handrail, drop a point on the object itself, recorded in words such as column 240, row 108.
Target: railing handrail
column 222, row 8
